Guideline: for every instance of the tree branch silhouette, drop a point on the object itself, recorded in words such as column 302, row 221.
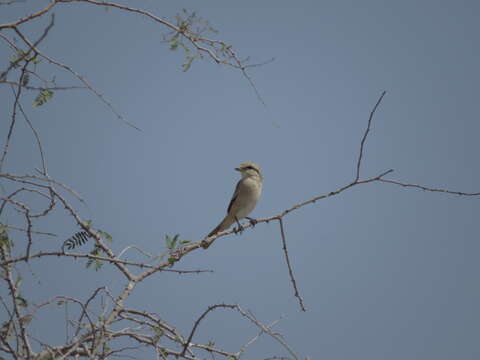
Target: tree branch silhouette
column 103, row 317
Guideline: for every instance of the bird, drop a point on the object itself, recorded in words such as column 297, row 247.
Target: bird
column 244, row 199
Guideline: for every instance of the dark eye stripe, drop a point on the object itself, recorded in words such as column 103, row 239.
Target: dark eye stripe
column 252, row 168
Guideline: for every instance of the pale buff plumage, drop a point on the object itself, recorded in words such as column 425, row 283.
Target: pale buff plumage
column 245, row 196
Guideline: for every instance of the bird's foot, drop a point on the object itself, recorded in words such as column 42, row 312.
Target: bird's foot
column 253, row 221
column 239, row 229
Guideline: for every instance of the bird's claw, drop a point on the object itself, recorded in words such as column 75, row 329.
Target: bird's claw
column 238, row 230
column 252, row 221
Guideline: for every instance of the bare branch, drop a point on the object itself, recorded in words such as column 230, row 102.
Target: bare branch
column 31, row 48
column 32, row 231
column 195, row 40
column 290, row 271
column 431, row 189
column 362, row 143
column 28, row 87
column 93, row 333
column 29, row 17
column 78, row 76
column 197, row 322
column 268, row 331
column 12, row 124
column 250, row 342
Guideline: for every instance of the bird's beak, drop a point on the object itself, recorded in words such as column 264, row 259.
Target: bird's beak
column 238, row 169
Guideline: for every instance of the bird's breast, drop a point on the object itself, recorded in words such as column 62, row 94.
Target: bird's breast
column 249, row 193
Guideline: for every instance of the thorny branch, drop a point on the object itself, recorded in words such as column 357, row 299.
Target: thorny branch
column 116, row 313
column 355, row 182
column 290, row 271
column 365, row 134
column 91, row 331
column 103, row 317
column 217, row 50
column 264, row 329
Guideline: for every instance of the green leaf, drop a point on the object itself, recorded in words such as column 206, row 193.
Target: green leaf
column 174, row 44
column 4, row 240
column 15, row 58
column 43, row 97
column 23, row 56
column 168, row 242
column 98, row 263
column 171, row 241
column 21, row 301
column 188, row 63
column 105, row 235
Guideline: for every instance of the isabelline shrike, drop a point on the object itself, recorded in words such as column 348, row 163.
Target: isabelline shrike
column 244, row 198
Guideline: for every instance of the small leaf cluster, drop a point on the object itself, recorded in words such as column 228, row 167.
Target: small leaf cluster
column 42, row 97
column 78, row 239
column 193, row 27
column 81, row 238
column 5, row 242
column 171, row 242
column 23, row 56
column 97, row 251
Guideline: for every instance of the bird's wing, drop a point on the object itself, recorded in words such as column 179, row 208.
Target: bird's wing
column 234, row 196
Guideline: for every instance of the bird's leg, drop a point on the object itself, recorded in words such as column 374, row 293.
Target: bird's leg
column 240, row 227
column 253, row 221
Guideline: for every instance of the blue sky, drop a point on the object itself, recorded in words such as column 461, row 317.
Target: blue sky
column 385, row 272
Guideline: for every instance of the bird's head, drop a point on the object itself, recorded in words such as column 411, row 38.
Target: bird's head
column 249, row 169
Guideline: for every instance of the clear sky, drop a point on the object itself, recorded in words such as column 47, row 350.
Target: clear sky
column 385, row 272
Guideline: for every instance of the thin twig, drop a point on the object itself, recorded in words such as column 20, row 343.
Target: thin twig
column 29, row 17
column 268, row 331
column 29, row 87
column 197, row 322
column 79, row 77
column 255, row 338
column 10, row 129
column 32, row 231
column 425, row 188
column 362, row 143
column 290, row 271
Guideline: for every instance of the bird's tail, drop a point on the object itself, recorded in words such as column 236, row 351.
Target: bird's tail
column 224, row 225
